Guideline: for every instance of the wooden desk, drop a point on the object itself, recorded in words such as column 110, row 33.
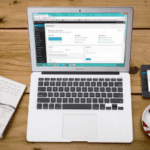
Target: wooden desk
column 15, row 64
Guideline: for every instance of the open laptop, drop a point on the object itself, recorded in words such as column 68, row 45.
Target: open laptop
column 80, row 82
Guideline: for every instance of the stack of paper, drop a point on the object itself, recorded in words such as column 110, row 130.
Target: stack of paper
column 10, row 94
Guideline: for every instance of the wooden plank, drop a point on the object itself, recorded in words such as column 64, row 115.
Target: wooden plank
column 15, row 56
column 15, row 136
column 13, row 12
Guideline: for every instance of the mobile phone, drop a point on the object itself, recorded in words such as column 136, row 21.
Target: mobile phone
column 145, row 80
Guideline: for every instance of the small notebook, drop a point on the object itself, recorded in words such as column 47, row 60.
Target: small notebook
column 10, row 95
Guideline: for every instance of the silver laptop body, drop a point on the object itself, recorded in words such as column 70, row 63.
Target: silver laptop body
column 80, row 84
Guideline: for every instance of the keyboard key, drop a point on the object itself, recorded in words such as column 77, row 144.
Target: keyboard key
column 57, row 106
column 75, row 83
column 102, row 106
column 70, row 100
column 59, row 79
column 41, row 88
column 56, row 94
column 110, row 83
column 96, row 89
column 91, row 94
column 46, row 83
column 87, row 83
column 82, row 100
column 76, row 100
column 95, row 106
column 63, row 83
column 52, row 83
column 41, row 79
column 118, row 94
column 114, row 106
column 99, row 83
column 103, row 94
column 95, row 79
column 85, row 94
column 108, row 108
column 40, row 84
column 113, row 79
column 72, row 89
column 39, row 106
column 81, row 83
column 49, row 89
column 47, row 79
column 65, row 79
column 120, row 89
column 120, row 108
column 71, row 79
column 53, row 79
column 94, row 100
column 42, row 94
column 90, row 89
column 43, row 100
column 66, row 89
column 101, row 79
column 76, row 106
column 84, row 89
column 55, row 89
column 102, row 89
column 116, row 100
column 107, row 79
column 108, row 89
column 53, row 100
column 45, row 106
column 83, row 79
column 78, row 89
column 106, row 100
column 93, row 83
column 67, row 94
column 97, row 94
column 77, row 79
column 118, row 83
column 113, row 89
column 74, row 95
column 119, row 79
column 60, row 89
column 58, row 100
column 109, row 94
column 88, row 100
column 104, row 83
column 64, row 100
column 79, row 94
column 51, row 106
column 89, row 79
column 69, row 83
column 57, row 83
column 62, row 94
column 100, row 100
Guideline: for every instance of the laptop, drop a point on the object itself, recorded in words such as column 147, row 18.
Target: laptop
column 80, row 87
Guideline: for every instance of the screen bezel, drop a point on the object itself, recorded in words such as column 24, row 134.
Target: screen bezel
column 127, row 10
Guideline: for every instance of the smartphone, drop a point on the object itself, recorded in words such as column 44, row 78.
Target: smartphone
column 145, row 80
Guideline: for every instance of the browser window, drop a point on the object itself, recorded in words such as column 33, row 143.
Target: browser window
column 80, row 39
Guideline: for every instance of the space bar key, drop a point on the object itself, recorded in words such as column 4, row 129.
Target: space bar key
column 76, row 106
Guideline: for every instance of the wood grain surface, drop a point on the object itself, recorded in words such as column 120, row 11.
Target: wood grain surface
column 13, row 12
column 16, row 131
column 15, row 56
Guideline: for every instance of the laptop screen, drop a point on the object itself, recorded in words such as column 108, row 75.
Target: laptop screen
column 80, row 39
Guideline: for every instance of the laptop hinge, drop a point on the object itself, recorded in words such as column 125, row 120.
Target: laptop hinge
column 96, row 73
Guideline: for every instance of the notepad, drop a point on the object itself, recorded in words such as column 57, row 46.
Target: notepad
column 10, row 95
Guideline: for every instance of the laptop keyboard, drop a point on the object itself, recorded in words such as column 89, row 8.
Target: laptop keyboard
column 80, row 93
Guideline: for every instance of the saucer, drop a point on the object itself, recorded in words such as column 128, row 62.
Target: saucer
column 146, row 120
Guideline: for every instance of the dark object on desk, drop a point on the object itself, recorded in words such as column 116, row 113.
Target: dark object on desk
column 144, row 81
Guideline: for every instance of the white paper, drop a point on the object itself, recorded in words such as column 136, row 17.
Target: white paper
column 148, row 79
column 10, row 94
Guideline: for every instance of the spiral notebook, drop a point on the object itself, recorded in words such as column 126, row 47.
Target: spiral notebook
column 10, row 95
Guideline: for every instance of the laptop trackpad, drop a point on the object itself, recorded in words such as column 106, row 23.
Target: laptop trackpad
column 79, row 126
